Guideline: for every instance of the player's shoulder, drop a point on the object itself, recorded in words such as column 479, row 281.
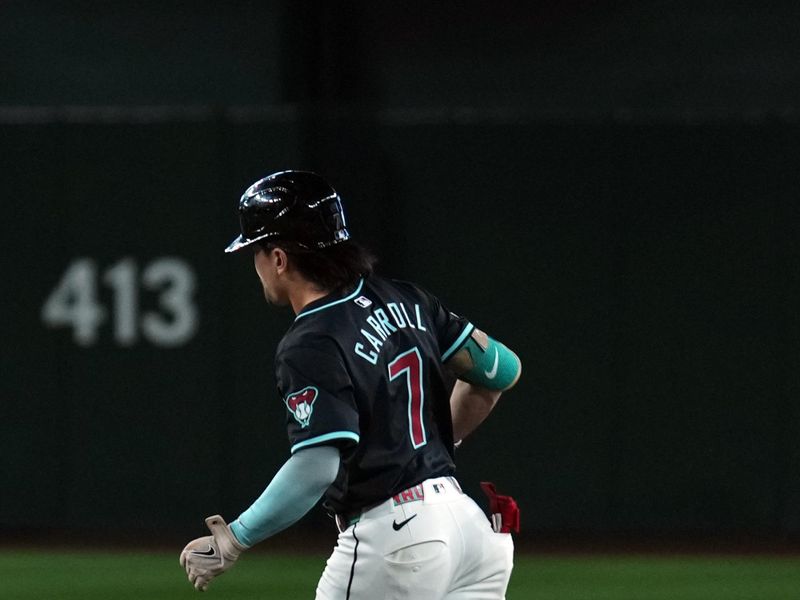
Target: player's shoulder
column 307, row 350
column 304, row 336
column 319, row 324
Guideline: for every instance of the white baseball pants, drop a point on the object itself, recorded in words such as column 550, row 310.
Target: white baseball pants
column 437, row 548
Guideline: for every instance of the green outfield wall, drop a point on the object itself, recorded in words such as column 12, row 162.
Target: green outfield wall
column 645, row 270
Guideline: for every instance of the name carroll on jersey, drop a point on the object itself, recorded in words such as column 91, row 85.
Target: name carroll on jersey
column 379, row 325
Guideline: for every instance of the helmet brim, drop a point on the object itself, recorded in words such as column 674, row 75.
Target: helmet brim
column 242, row 242
column 237, row 244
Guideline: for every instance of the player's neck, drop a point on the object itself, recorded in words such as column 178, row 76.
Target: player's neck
column 304, row 293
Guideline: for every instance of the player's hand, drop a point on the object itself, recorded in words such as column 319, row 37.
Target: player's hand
column 209, row 556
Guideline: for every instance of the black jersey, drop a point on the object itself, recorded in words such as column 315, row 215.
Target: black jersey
column 364, row 371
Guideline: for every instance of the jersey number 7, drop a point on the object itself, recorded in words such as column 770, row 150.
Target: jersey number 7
column 409, row 363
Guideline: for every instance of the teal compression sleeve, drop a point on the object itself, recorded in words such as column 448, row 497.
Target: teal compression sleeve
column 294, row 490
column 494, row 367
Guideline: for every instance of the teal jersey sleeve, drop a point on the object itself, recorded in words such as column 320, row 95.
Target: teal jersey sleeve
column 294, row 490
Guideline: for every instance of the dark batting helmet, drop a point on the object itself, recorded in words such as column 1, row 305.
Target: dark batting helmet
column 298, row 207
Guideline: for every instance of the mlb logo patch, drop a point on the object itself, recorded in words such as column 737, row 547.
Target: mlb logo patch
column 301, row 404
column 363, row 301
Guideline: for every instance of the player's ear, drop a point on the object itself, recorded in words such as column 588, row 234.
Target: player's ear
column 280, row 260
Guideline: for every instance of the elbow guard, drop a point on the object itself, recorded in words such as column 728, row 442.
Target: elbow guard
column 485, row 362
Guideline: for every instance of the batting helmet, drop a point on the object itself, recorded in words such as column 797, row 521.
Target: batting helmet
column 299, row 207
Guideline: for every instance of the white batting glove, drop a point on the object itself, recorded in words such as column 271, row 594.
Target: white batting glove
column 209, row 556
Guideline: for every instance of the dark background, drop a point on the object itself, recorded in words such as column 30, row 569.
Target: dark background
column 608, row 187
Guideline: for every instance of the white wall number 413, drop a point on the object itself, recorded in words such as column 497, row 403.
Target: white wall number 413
column 73, row 302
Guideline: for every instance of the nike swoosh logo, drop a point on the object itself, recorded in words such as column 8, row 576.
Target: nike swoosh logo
column 491, row 374
column 209, row 552
column 398, row 526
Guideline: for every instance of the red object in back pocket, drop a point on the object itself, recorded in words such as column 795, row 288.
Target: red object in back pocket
column 505, row 506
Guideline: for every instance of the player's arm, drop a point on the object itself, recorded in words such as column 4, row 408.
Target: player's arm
column 294, row 490
column 485, row 369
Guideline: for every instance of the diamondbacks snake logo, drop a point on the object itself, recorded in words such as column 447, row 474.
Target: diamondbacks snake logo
column 301, row 404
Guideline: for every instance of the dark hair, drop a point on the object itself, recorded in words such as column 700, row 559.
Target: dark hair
column 333, row 268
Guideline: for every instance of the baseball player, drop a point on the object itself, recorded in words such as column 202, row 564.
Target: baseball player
column 366, row 372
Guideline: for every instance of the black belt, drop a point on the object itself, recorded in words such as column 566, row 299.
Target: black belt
column 344, row 520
